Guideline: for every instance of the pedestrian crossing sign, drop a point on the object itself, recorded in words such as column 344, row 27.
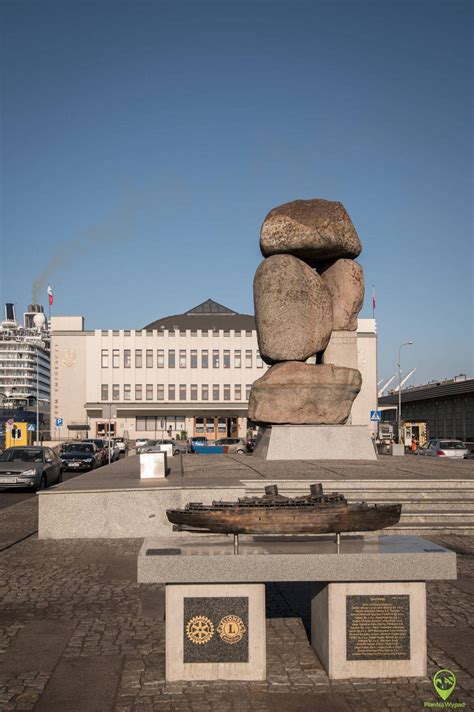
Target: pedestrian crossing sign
column 376, row 415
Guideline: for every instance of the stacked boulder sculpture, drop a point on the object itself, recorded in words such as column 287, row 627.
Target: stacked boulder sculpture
column 307, row 289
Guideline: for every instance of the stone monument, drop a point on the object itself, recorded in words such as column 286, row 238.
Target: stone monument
column 308, row 292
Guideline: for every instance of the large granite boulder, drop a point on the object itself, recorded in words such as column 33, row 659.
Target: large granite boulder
column 304, row 394
column 345, row 280
column 311, row 229
column 293, row 310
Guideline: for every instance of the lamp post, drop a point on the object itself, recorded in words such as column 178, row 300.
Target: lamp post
column 406, row 343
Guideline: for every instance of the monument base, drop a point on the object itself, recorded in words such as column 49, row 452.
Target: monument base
column 315, row 442
column 215, row 632
column 370, row 629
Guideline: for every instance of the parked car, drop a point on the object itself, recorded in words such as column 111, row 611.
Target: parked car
column 81, row 456
column 444, row 448
column 32, row 467
column 236, row 446
column 141, row 442
column 196, row 440
column 122, row 444
column 469, row 455
column 102, row 448
column 114, row 451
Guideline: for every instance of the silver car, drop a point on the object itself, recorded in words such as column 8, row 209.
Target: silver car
column 443, row 447
column 31, row 467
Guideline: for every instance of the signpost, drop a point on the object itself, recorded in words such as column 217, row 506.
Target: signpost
column 376, row 416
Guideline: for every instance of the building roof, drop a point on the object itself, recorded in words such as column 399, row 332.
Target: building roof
column 206, row 316
column 439, row 389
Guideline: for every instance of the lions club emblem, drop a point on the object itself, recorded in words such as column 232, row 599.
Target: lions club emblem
column 231, row 629
column 199, row 630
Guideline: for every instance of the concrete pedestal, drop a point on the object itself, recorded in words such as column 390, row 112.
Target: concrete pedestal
column 370, row 629
column 153, row 465
column 315, row 442
column 215, row 632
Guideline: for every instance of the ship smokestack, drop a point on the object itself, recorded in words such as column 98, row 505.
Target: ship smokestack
column 316, row 490
column 271, row 490
column 10, row 312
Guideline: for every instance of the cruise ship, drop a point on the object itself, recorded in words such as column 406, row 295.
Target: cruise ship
column 25, row 371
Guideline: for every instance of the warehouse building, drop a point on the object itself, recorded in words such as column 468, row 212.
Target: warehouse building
column 446, row 406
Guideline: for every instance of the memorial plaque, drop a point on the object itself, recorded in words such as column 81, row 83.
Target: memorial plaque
column 378, row 627
column 216, row 630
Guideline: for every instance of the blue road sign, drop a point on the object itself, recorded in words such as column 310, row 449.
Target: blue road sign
column 59, row 422
column 376, row 415
column 31, row 427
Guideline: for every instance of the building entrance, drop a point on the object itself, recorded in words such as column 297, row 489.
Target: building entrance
column 216, row 426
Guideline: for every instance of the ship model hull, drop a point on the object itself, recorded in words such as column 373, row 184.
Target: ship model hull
column 274, row 514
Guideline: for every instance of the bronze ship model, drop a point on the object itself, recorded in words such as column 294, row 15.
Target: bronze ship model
column 315, row 513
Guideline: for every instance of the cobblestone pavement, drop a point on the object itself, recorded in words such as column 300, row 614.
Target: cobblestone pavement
column 72, row 614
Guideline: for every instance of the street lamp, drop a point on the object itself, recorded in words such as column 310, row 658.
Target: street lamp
column 406, row 343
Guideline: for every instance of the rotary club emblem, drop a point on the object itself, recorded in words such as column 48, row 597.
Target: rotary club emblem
column 199, row 630
column 231, row 629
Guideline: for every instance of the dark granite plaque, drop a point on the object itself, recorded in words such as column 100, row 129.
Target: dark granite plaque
column 216, row 630
column 378, row 627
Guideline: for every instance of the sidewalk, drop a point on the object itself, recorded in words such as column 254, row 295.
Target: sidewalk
column 78, row 634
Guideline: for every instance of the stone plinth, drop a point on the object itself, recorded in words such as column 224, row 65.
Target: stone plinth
column 215, row 632
column 315, row 442
column 153, row 465
column 370, row 629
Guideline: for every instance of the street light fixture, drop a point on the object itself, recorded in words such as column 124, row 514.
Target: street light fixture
column 406, row 343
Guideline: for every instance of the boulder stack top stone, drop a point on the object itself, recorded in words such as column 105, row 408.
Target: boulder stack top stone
column 313, row 230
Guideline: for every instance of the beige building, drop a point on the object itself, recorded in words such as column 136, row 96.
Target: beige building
column 188, row 373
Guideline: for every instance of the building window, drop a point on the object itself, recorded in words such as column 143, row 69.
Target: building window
column 248, row 333
column 138, row 358
column 205, row 358
column 194, row 391
column 127, row 391
column 104, row 392
column 237, row 358
column 127, row 358
column 199, row 425
column 226, row 391
column 104, row 357
column 194, row 358
column 182, row 391
column 115, row 358
column 248, row 388
column 259, row 362
column 149, row 391
column 115, row 391
column 160, row 358
column 248, row 359
column 138, row 391
column 215, row 359
column 204, row 392
column 222, row 425
column 160, row 391
column 215, row 391
column 171, row 358
column 171, row 392
column 149, row 358
column 140, row 423
column 182, row 358
column 238, row 391
column 226, row 359
column 210, row 425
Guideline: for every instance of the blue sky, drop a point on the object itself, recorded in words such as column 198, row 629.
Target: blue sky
column 143, row 144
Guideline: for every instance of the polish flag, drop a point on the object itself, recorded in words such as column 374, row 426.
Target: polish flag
column 50, row 295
